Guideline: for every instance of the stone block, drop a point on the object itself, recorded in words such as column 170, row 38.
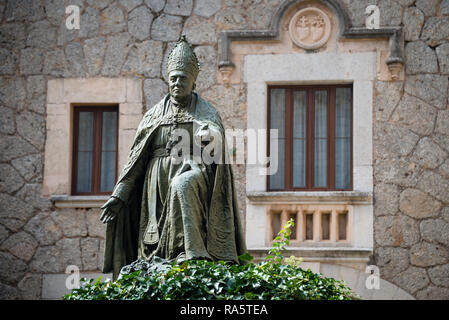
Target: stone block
column 10, row 179
column 89, row 23
column 72, row 222
column 428, row 7
column 391, row 261
column 126, row 139
column 134, row 90
column 139, row 23
column 12, row 93
column 200, row 31
column 429, row 154
column 11, row 268
column 31, row 127
column 24, row 10
column 420, row 58
column 418, row 205
column 386, row 199
column 54, row 63
column 9, row 293
column 363, row 178
column 425, row 254
column 393, row 140
column 139, row 62
column 42, row 35
column 396, row 231
column 155, row 5
column 21, row 245
column 166, row 28
column 208, row 65
column 112, row 20
column 179, row 7
column 100, row 4
column 131, row 109
column 444, row 7
column 434, row 184
column 31, row 286
column 207, row 8
column 442, row 123
column 66, row 35
column 14, row 209
column 116, row 53
column 95, row 227
column 154, row 90
column 129, row 121
column 430, row 88
column 415, row 114
column 231, row 18
column 439, row 275
column 55, row 91
column 4, row 233
column 14, row 147
column 95, row 90
column 356, row 10
column 387, row 97
column 31, row 194
column 55, row 11
column 94, row 50
column 442, row 54
column 130, row 4
column 435, row 230
column 70, row 252
column 90, row 250
column 413, row 20
column 7, row 123
column 47, row 260
column 412, row 280
column 74, row 60
column 13, row 36
column 433, row 293
column 435, row 31
column 44, row 229
column 9, row 62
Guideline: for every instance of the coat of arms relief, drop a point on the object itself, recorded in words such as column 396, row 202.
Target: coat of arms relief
column 310, row 28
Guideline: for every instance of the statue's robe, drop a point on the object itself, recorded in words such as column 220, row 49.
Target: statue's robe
column 184, row 210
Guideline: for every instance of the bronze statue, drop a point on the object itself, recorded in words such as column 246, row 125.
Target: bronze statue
column 175, row 210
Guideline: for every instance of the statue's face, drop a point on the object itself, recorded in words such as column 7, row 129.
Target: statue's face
column 180, row 84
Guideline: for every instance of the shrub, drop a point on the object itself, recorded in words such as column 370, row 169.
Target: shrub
column 275, row 278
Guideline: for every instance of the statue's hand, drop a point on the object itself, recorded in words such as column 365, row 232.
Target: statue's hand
column 110, row 209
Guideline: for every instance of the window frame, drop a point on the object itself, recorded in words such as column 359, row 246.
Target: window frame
column 331, row 101
column 97, row 146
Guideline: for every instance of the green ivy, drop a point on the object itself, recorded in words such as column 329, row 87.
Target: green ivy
column 275, row 278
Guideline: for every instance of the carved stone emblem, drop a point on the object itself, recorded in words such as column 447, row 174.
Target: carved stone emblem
column 310, row 28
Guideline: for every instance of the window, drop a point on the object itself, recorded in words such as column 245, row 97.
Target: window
column 314, row 126
column 94, row 150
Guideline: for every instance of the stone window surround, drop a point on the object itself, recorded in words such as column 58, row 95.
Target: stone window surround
column 319, row 68
column 62, row 95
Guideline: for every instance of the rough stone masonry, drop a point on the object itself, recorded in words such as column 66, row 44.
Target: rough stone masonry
column 132, row 38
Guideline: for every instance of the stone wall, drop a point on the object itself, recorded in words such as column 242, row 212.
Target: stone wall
column 411, row 139
column 132, row 38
